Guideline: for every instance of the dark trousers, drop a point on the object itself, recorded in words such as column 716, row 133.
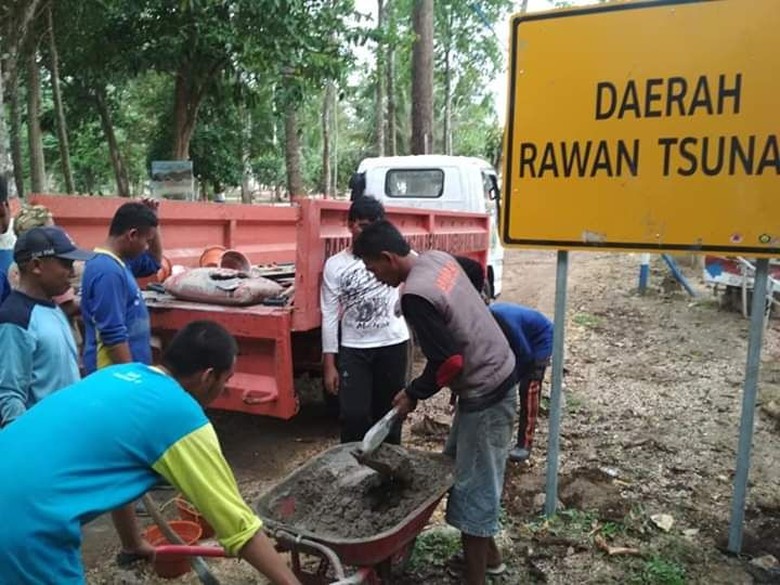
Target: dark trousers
column 369, row 379
column 530, row 390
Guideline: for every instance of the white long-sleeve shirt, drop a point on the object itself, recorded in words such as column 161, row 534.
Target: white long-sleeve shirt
column 367, row 309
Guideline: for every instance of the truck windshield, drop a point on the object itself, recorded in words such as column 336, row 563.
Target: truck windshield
column 412, row 183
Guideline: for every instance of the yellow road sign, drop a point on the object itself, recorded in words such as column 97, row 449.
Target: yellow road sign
column 645, row 126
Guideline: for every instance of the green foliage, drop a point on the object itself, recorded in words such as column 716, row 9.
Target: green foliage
column 660, row 571
column 475, row 56
column 612, row 529
column 434, row 547
column 587, row 320
column 570, row 523
column 240, row 64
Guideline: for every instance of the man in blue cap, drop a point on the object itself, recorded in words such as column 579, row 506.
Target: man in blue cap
column 39, row 352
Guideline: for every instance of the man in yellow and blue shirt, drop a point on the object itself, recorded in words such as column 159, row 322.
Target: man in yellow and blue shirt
column 103, row 442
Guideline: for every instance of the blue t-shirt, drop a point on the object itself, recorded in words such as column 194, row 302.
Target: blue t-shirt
column 529, row 332
column 5, row 288
column 113, row 309
column 39, row 354
column 6, row 259
column 85, row 450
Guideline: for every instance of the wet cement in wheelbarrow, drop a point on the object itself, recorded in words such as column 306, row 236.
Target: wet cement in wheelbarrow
column 342, row 499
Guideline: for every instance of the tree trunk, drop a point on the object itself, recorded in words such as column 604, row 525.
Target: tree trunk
column 390, row 70
column 62, row 128
column 34, row 134
column 189, row 93
column 447, row 105
column 16, row 130
column 327, row 103
column 292, row 154
column 4, row 166
column 447, row 126
column 117, row 162
column 182, row 133
column 246, row 155
column 422, row 77
column 335, row 174
column 379, row 109
column 18, row 18
column 188, row 96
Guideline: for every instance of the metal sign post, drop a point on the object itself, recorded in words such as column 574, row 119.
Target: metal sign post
column 551, row 494
column 748, row 405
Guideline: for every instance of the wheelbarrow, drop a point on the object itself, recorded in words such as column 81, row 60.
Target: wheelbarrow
column 370, row 560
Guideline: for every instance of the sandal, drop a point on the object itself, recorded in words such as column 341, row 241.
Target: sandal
column 457, row 564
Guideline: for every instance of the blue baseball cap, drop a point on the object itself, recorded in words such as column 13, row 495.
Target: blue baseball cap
column 47, row 242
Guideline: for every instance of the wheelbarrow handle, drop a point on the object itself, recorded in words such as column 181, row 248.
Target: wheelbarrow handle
column 362, row 576
column 194, row 550
column 295, row 542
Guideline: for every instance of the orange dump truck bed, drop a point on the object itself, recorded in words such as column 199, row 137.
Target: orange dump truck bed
column 275, row 343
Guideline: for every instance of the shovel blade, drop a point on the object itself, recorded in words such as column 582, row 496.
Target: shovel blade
column 378, row 433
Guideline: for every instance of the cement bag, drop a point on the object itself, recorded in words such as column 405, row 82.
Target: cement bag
column 221, row 286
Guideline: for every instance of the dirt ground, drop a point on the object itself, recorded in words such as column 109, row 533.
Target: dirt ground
column 653, row 395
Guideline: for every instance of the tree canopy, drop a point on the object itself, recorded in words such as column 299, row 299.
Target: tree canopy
column 249, row 90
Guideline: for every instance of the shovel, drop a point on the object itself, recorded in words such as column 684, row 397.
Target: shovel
column 378, row 433
column 391, row 461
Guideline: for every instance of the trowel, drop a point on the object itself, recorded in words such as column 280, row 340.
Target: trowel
column 391, row 461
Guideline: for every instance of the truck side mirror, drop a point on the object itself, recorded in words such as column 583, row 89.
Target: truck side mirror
column 495, row 192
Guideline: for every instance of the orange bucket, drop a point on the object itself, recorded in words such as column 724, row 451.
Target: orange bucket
column 211, row 256
column 235, row 260
column 188, row 512
column 169, row 567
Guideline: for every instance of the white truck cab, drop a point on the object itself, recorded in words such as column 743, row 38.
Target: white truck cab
column 434, row 181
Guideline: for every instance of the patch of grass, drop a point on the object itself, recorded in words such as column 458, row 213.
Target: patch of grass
column 659, row 571
column 574, row 404
column 434, row 547
column 587, row 320
column 504, row 519
column 570, row 403
column 612, row 529
column 572, row 523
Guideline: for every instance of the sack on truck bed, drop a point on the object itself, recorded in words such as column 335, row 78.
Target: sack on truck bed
column 221, row 286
